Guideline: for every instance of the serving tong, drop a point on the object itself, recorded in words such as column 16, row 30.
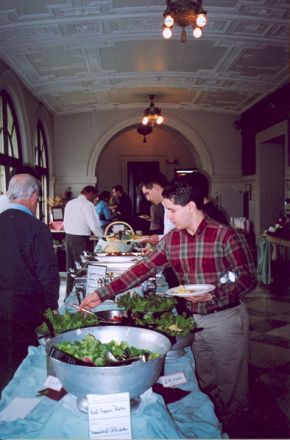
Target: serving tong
column 112, row 360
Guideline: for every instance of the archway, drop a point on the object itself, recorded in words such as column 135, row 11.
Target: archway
column 195, row 143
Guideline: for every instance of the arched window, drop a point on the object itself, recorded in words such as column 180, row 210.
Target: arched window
column 41, row 165
column 10, row 143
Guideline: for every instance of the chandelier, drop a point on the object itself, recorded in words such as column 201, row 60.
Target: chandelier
column 152, row 114
column 144, row 131
column 184, row 13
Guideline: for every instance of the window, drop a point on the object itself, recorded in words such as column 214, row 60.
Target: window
column 10, row 143
column 41, row 165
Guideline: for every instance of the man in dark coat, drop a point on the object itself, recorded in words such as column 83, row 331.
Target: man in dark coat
column 29, row 278
column 124, row 204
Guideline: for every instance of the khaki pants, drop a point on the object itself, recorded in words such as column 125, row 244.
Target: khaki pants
column 221, row 355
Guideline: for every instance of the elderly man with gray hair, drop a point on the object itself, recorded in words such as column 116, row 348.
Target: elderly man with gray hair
column 29, row 278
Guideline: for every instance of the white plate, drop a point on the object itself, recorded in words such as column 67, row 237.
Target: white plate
column 140, row 239
column 195, row 289
column 115, row 258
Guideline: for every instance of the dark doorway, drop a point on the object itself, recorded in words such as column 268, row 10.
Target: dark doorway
column 136, row 170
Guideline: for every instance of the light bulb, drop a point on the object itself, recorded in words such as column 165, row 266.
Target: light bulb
column 145, row 120
column 197, row 32
column 168, row 21
column 167, row 33
column 159, row 120
column 201, row 20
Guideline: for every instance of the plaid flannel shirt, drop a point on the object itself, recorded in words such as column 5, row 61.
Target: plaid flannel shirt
column 196, row 259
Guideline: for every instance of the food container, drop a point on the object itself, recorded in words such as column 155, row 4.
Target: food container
column 135, row 378
column 112, row 316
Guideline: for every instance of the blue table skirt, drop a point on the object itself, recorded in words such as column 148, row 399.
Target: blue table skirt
column 190, row 417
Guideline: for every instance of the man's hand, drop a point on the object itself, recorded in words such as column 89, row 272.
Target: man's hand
column 91, row 301
column 204, row 297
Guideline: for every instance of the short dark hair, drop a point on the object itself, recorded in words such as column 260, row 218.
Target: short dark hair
column 118, row 188
column 105, row 195
column 153, row 179
column 183, row 191
column 198, row 179
column 89, row 189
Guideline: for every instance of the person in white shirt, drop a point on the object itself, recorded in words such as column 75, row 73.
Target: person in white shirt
column 152, row 186
column 80, row 220
column 4, row 202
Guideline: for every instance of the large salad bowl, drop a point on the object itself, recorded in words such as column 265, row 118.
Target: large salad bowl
column 135, row 378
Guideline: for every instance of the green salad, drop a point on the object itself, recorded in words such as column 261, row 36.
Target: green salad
column 93, row 350
column 157, row 313
column 67, row 321
column 152, row 304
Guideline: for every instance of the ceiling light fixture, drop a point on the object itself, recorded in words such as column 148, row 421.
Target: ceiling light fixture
column 144, row 131
column 152, row 114
column 184, row 13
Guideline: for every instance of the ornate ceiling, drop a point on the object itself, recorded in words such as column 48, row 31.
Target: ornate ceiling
column 77, row 55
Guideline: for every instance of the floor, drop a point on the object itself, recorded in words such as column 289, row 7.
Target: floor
column 269, row 366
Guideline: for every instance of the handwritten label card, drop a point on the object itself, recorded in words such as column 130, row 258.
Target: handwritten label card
column 171, row 380
column 53, row 383
column 94, row 274
column 109, row 416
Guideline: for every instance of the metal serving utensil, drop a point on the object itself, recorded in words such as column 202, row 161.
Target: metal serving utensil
column 112, row 360
column 83, row 310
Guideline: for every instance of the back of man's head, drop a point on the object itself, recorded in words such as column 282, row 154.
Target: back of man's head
column 89, row 189
column 22, row 186
column 199, row 180
column 151, row 179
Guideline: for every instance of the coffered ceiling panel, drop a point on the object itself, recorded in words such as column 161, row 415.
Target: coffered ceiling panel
column 77, row 55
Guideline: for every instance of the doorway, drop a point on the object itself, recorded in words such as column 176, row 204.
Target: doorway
column 270, row 179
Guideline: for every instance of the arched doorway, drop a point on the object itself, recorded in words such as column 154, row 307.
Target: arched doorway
column 165, row 150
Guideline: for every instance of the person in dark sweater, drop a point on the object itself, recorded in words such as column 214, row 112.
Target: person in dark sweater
column 29, row 278
column 124, row 205
column 199, row 180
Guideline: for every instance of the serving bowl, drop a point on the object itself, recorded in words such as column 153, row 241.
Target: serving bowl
column 112, row 316
column 135, row 378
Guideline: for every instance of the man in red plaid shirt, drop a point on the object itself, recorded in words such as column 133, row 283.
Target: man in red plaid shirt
column 200, row 250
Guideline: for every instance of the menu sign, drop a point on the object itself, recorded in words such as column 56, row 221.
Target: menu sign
column 94, row 275
column 109, row 416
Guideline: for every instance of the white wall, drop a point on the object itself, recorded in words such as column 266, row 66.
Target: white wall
column 80, row 138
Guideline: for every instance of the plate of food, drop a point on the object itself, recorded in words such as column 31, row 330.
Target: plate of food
column 187, row 290
column 139, row 238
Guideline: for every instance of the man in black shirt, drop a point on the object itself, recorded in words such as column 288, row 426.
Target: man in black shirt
column 124, row 205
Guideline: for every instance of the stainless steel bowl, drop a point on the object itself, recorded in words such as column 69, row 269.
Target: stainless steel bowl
column 177, row 349
column 135, row 378
column 112, row 316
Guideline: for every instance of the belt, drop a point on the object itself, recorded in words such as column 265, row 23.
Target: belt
column 220, row 309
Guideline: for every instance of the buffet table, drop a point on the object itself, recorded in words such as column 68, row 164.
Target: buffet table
column 190, row 417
